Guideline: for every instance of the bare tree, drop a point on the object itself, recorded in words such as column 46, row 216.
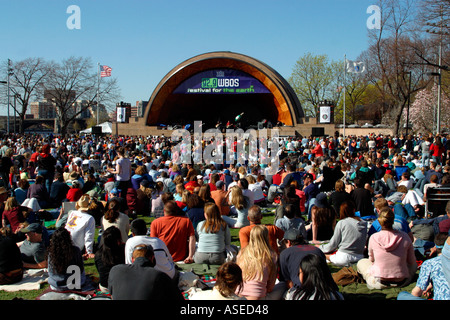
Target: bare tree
column 72, row 81
column 26, row 84
column 392, row 61
column 435, row 14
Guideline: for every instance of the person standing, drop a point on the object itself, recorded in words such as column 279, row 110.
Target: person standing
column 46, row 166
column 122, row 172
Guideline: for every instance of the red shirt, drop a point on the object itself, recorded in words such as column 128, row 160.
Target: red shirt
column 74, row 194
column 190, row 186
column 174, row 231
column 436, row 151
column 14, row 217
column 318, row 151
column 33, row 157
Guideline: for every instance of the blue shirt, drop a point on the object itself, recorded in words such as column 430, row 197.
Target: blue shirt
column 400, row 224
column 431, row 270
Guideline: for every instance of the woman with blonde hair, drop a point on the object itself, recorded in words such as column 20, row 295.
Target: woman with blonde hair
column 242, row 172
column 213, row 236
column 240, row 205
column 258, row 262
column 174, row 171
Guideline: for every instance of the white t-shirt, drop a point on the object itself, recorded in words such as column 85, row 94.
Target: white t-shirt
column 122, row 223
column 164, row 261
column 82, row 229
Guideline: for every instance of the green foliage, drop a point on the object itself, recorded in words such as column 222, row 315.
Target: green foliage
column 315, row 78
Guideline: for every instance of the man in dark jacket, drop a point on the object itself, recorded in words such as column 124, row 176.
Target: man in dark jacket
column 58, row 191
column 362, row 198
column 140, row 280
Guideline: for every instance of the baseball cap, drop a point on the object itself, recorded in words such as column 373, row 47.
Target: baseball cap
column 321, row 200
column 444, row 226
column 34, row 227
column 219, row 184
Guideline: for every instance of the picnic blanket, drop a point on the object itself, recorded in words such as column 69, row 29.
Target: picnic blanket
column 32, row 280
column 195, row 277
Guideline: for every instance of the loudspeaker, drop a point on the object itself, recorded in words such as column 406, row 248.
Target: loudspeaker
column 317, row 132
column 96, row 130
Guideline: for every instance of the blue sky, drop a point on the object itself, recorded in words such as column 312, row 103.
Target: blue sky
column 142, row 40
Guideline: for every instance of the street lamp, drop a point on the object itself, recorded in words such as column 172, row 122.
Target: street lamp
column 7, row 83
column 438, row 111
column 10, row 73
column 409, row 101
column 441, row 33
column 16, row 96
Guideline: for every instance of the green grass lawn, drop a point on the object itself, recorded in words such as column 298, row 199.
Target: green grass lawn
column 351, row 292
column 91, row 270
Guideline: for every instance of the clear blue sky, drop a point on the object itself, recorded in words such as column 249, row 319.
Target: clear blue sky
column 142, row 40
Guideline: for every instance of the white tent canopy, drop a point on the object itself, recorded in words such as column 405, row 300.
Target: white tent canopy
column 106, row 128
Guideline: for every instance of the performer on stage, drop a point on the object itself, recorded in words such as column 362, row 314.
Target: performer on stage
column 238, row 120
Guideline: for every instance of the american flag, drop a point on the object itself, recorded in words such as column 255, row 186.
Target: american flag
column 105, row 71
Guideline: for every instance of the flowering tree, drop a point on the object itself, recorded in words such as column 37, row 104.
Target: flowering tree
column 422, row 112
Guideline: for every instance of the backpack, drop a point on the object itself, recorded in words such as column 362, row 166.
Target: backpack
column 346, row 276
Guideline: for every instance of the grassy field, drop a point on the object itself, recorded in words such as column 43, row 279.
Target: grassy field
column 91, row 270
column 354, row 291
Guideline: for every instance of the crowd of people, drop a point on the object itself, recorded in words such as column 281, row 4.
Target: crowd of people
column 347, row 201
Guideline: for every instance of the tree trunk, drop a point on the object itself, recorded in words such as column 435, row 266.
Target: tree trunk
column 21, row 123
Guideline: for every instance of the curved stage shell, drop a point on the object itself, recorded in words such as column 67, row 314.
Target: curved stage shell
column 218, row 86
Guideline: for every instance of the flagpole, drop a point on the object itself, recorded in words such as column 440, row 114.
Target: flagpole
column 345, row 71
column 98, row 90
